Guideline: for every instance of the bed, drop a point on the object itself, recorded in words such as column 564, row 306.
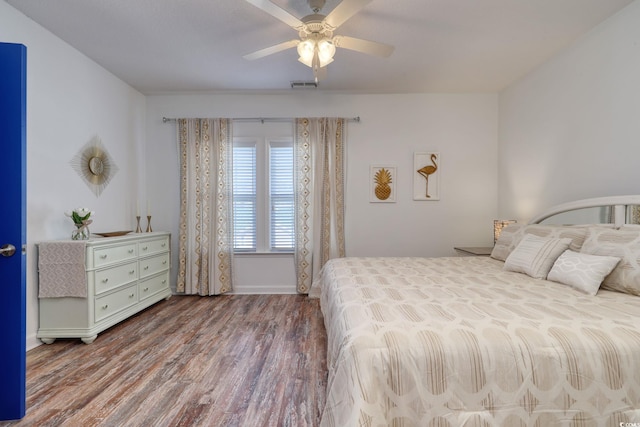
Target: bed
column 484, row 341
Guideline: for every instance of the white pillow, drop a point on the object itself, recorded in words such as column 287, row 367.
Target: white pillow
column 508, row 240
column 583, row 272
column 534, row 256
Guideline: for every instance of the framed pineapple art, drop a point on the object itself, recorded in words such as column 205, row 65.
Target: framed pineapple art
column 383, row 184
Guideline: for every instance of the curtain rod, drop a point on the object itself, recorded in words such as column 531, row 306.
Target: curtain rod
column 259, row 119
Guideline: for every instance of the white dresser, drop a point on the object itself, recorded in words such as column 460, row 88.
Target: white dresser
column 124, row 274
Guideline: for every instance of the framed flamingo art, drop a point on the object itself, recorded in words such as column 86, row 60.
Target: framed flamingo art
column 426, row 176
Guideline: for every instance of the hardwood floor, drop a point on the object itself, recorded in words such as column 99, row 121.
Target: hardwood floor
column 238, row 360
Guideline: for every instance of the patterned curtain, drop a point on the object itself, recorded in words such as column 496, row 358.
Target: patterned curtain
column 634, row 214
column 319, row 175
column 205, row 245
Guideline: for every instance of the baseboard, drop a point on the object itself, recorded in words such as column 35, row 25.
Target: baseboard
column 33, row 342
column 264, row 290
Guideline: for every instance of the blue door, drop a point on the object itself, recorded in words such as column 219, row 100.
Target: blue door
column 13, row 230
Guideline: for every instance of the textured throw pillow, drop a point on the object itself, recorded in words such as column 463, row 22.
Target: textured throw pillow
column 508, row 240
column 534, row 256
column 583, row 272
column 513, row 234
column 624, row 244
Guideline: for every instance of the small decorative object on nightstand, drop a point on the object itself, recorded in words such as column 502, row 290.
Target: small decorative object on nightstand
column 474, row 251
column 498, row 225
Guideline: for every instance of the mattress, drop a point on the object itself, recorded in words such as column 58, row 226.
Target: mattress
column 461, row 342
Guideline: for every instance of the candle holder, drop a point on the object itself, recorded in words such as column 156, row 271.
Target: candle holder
column 149, row 230
column 138, row 229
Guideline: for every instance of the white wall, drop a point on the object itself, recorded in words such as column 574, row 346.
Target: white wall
column 463, row 128
column 571, row 128
column 71, row 99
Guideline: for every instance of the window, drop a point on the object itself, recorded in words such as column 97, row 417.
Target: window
column 281, row 194
column 244, row 196
column 263, row 195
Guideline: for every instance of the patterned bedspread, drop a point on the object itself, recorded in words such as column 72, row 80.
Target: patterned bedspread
column 460, row 342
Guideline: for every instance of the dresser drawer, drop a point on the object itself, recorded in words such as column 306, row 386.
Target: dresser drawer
column 113, row 277
column 149, row 247
column 153, row 265
column 114, row 302
column 112, row 254
column 153, row 285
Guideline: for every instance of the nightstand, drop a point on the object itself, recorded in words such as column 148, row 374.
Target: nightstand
column 474, row 250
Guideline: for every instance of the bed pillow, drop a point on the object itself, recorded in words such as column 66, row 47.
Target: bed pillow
column 534, row 256
column 513, row 234
column 581, row 271
column 623, row 244
column 508, row 240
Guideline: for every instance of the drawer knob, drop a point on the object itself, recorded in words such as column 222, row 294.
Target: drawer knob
column 164, row 262
column 144, row 248
column 130, row 251
column 145, row 289
column 132, row 271
column 132, row 295
column 164, row 244
column 164, row 281
column 103, row 256
column 104, row 307
column 105, row 280
column 146, row 267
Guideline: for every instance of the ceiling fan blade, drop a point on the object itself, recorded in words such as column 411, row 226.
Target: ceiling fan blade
column 364, row 46
column 344, row 11
column 271, row 50
column 278, row 12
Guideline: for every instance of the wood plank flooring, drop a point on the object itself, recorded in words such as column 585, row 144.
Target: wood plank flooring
column 238, row 360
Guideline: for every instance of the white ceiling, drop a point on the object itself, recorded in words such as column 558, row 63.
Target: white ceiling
column 159, row 46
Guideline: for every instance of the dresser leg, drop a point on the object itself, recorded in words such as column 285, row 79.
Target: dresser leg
column 47, row 340
column 89, row 340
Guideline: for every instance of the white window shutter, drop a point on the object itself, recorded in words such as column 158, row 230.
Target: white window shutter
column 281, row 196
column 244, row 198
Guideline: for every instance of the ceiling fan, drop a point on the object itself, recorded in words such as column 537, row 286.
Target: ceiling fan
column 317, row 44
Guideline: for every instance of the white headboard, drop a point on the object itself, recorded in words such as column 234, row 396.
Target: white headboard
column 617, row 203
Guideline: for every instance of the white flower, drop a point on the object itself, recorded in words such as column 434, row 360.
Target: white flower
column 80, row 216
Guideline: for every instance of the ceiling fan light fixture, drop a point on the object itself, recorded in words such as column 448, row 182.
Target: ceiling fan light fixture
column 314, row 52
column 306, row 62
column 326, row 50
column 306, row 49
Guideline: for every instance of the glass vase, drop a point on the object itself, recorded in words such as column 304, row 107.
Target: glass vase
column 80, row 233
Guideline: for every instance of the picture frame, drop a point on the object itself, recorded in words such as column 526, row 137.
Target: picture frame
column 426, row 175
column 382, row 184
